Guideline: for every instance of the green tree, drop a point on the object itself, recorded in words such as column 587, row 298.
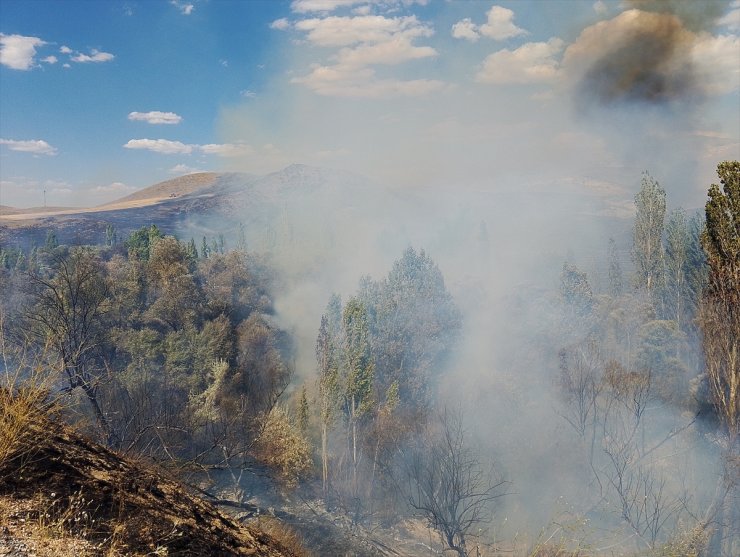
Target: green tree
column 720, row 317
column 358, row 371
column 111, row 236
column 172, row 288
column 616, row 278
column 647, row 248
column 676, row 262
column 696, row 269
column 303, row 412
column 192, row 250
column 204, row 249
column 575, row 291
column 328, row 392
column 139, row 243
column 51, row 242
column 414, row 324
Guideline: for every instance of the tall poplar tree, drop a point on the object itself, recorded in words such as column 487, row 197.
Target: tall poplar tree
column 719, row 317
column 676, row 262
column 328, row 392
column 647, row 248
column 720, row 314
column 358, row 373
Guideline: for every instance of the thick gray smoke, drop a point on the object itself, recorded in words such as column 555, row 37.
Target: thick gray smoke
column 645, row 54
column 499, row 189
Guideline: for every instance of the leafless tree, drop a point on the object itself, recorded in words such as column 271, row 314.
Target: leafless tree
column 580, row 384
column 449, row 485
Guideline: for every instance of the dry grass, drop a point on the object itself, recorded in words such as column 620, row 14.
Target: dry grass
column 286, row 536
column 24, row 396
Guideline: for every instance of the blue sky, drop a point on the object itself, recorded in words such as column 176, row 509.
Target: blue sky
column 99, row 98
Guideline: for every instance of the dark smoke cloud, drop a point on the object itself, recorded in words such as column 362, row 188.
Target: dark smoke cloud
column 644, row 55
column 696, row 15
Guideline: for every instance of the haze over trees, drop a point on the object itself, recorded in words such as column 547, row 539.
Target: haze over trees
column 173, row 350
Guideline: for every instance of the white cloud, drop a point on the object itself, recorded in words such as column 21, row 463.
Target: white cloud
column 306, row 6
column 167, row 147
column 94, row 56
column 465, row 29
column 185, row 8
column 66, row 66
column 115, row 187
column 155, row 117
column 65, row 50
column 346, row 31
column 50, row 60
column 362, row 10
column 163, row 146
column 227, row 149
column 364, row 42
column 248, row 94
column 17, row 52
column 600, row 7
column 499, row 26
column 731, row 20
column 716, row 64
column 280, row 24
column 35, row 146
column 393, row 51
column 530, row 63
column 363, row 84
column 183, row 169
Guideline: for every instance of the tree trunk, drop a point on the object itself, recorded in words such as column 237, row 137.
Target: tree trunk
column 110, row 437
column 354, row 447
column 324, row 464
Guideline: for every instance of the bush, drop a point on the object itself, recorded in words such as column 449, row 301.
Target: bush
column 281, row 448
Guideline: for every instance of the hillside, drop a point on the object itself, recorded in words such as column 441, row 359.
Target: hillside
column 175, row 187
column 68, row 496
column 196, row 205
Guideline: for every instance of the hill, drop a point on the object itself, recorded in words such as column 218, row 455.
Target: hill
column 67, row 496
column 175, row 187
column 197, row 205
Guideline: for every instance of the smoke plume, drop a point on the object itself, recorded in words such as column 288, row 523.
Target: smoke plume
column 644, row 55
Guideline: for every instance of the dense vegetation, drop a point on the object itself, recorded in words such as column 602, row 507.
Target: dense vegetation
column 173, row 352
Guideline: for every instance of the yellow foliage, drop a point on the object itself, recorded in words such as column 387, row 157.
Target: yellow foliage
column 281, row 448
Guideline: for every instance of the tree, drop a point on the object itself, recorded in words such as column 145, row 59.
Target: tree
column 176, row 299
column 357, row 377
column 141, row 241
column 448, row 484
column 328, row 392
column 647, row 249
column 51, row 242
column 414, row 324
column 616, row 280
column 576, row 291
column 204, row 249
column 696, row 271
column 111, row 236
column 303, row 413
column 720, row 314
column 67, row 313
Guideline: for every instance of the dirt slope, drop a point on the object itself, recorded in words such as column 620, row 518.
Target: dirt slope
column 69, row 496
column 169, row 188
